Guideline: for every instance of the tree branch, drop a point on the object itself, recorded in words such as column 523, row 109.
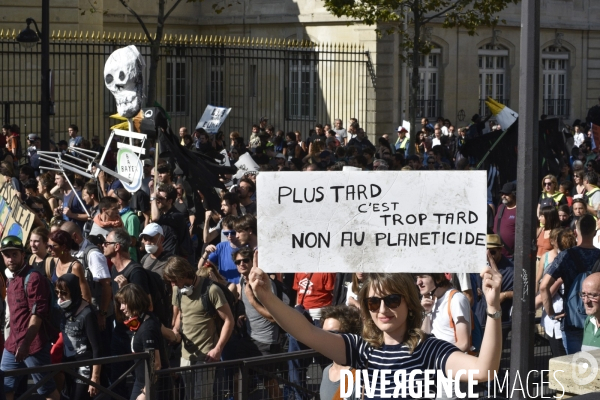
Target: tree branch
column 171, row 10
column 428, row 19
column 138, row 18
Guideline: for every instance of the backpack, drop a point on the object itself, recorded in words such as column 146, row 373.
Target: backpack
column 159, row 293
column 209, row 307
column 53, row 320
column 575, row 310
column 47, row 265
column 547, row 202
column 476, row 336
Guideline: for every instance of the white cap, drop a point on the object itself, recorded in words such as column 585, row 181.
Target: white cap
column 401, row 129
column 152, row 230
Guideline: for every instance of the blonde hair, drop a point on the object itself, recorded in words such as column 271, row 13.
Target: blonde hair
column 554, row 182
column 404, row 285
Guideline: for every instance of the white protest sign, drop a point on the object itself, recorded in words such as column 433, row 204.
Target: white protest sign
column 379, row 221
column 130, row 166
column 245, row 165
column 213, row 118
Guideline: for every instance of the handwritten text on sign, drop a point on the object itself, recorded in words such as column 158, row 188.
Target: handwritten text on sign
column 381, row 221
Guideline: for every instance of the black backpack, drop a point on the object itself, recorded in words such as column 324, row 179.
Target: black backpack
column 209, row 307
column 160, row 294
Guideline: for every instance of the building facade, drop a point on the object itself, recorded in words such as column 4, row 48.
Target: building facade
column 456, row 76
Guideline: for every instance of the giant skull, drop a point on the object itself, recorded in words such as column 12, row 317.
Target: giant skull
column 124, row 77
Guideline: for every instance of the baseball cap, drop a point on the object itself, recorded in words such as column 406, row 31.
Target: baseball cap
column 401, row 129
column 152, row 230
column 11, row 243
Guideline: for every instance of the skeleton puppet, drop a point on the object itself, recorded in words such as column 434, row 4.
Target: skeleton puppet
column 124, row 77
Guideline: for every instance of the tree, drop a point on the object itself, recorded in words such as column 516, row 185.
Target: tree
column 218, row 6
column 409, row 19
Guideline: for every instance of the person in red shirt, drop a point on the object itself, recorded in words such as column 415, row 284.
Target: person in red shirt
column 25, row 346
column 314, row 291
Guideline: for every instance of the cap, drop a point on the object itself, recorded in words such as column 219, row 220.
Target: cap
column 280, row 155
column 32, row 136
column 508, row 188
column 401, row 129
column 152, row 230
column 11, row 243
column 493, row 241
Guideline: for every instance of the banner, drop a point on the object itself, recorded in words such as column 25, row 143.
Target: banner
column 213, row 118
column 15, row 219
column 379, row 221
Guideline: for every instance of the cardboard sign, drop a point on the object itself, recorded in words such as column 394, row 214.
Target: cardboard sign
column 246, row 165
column 130, row 166
column 213, row 118
column 380, row 221
column 15, row 220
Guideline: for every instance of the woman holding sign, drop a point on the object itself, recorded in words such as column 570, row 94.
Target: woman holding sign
column 391, row 339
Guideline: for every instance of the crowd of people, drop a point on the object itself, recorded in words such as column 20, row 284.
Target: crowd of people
column 129, row 272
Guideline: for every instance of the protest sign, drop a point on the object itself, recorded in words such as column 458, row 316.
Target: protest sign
column 246, row 165
column 213, row 118
column 15, row 219
column 380, row 221
column 130, row 166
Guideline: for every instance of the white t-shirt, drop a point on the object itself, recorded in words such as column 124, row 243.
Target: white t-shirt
column 340, row 134
column 464, row 282
column 578, row 139
column 594, row 201
column 96, row 261
column 460, row 307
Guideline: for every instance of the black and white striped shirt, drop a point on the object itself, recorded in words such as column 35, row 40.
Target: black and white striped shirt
column 430, row 354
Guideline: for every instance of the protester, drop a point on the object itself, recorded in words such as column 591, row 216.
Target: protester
column 61, row 244
column 391, row 335
column 590, row 295
column 195, row 326
column 40, row 258
column 338, row 319
column 506, row 218
column 72, row 207
column 550, row 195
column 81, row 336
column 152, row 238
column 566, row 267
column 131, row 222
column 27, row 345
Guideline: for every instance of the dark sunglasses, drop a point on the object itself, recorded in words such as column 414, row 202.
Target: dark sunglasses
column 493, row 251
column 390, row 301
column 61, row 292
column 547, row 183
column 38, row 210
column 244, row 260
column 227, row 233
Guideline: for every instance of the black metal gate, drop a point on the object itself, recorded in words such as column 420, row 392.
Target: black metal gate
column 294, row 84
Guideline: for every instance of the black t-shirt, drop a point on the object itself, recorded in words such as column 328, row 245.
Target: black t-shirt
column 178, row 223
column 147, row 337
column 134, row 273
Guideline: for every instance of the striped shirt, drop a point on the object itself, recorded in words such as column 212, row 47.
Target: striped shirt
column 430, row 354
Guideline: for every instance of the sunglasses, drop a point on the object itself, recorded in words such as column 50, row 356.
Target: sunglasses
column 11, row 241
column 228, row 233
column 52, row 246
column 547, row 183
column 493, row 251
column 38, row 210
column 390, row 301
column 107, row 243
column 243, row 260
column 61, row 292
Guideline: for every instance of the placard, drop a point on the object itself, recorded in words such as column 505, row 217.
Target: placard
column 377, row 221
column 246, row 165
column 130, row 166
column 213, row 118
column 15, row 219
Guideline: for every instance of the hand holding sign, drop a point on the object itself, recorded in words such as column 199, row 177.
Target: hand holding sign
column 212, row 118
column 491, row 282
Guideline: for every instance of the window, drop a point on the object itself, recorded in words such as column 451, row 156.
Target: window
column 428, row 103
column 555, row 64
column 303, row 86
column 492, row 75
column 216, row 77
column 176, row 87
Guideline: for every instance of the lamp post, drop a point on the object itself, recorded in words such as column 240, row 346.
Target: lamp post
column 28, row 38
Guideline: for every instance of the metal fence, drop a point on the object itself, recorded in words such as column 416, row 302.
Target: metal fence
column 294, row 84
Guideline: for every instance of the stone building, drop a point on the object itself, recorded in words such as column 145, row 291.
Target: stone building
column 458, row 74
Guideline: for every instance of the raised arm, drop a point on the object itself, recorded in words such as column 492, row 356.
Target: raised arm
column 329, row 344
column 491, row 346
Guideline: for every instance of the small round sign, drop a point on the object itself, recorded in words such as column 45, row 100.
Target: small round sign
column 130, row 166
